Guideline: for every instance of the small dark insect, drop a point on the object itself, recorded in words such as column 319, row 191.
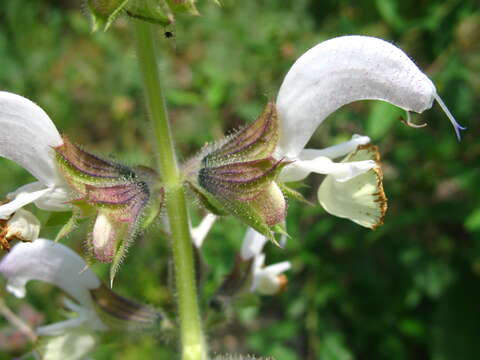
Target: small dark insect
column 168, row 34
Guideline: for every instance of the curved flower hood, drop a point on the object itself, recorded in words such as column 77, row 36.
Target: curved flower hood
column 342, row 70
column 28, row 137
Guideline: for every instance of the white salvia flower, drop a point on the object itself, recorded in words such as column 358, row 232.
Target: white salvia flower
column 266, row 280
column 28, row 137
column 23, row 225
column 334, row 73
column 56, row 264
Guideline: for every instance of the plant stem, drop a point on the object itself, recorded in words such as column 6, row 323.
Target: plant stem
column 17, row 322
column 192, row 338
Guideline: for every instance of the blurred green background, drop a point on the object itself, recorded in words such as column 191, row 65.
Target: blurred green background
column 409, row 290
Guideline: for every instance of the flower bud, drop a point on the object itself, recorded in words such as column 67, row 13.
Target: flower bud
column 104, row 236
column 124, row 314
column 237, row 175
column 23, row 226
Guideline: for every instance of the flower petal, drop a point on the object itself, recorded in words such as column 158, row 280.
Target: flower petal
column 269, row 281
column 335, row 151
column 360, row 199
column 342, row 172
column 23, row 225
column 252, row 245
column 53, row 198
column 74, row 344
column 339, row 71
column 105, row 237
column 27, row 194
column 51, row 262
column 277, row 269
column 56, row 199
column 200, row 232
column 27, row 137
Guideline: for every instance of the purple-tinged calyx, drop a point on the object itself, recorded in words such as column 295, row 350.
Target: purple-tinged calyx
column 119, row 195
column 237, row 175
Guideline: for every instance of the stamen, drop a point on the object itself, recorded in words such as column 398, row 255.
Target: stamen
column 454, row 122
column 410, row 123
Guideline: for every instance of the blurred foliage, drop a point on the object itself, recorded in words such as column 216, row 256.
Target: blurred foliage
column 409, row 290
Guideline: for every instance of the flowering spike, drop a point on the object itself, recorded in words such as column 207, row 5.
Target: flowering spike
column 237, row 176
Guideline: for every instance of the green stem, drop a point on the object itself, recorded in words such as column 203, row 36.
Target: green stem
column 192, row 338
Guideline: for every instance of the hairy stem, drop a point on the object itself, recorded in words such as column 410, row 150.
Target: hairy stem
column 192, row 338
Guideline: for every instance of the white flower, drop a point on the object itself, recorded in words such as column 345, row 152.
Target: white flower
column 28, row 137
column 56, row 264
column 95, row 304
column 266, row 280
column 332, row 74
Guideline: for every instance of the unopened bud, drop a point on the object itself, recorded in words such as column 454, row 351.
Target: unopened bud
column 124, row 314
column 104, row 236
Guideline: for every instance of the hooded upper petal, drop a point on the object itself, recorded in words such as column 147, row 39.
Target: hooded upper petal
column 28, row 137
column 51, row 262
column 342, row 70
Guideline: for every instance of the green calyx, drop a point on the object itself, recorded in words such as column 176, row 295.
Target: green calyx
column 238, row 175
column 123, row 200
column 162, row 12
